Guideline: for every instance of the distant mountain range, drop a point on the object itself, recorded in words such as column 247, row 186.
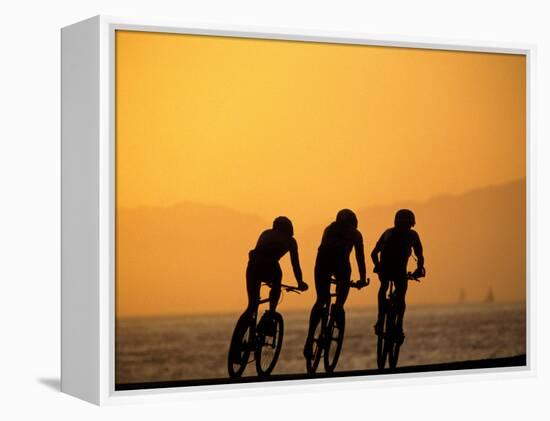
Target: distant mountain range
column 192, row 258
column 474, row 241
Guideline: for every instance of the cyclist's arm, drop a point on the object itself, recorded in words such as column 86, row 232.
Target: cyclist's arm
column 376, row 250
column 295, row 260
column 418, row 251
column 360, row 256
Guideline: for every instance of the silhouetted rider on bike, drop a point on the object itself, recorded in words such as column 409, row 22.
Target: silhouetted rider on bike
column 263, row 266
column 263, row 263
column 395, row 246
column 339, row 238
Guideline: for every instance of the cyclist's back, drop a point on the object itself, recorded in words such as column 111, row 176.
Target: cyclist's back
column 271, row 246
column 338, row 241
column 395, row 246
column 334, row 252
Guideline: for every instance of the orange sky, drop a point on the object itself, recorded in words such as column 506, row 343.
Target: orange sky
column 268, row 127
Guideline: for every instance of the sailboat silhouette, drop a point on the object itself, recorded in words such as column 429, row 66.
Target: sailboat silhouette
column 490, row 298
column 462, row 296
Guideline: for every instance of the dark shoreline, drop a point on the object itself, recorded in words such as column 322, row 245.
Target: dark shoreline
column 305, row 310
column 516, row 361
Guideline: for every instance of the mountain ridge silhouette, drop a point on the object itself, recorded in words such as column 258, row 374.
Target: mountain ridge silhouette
column 191, row 258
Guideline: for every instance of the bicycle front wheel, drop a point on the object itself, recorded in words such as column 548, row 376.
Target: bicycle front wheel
column 334, row 338
column 393, row 348
column 317, row 345
column 394, row 354
column 381, row 356
column 241, row 346
column 389, row 343
column 269, row 342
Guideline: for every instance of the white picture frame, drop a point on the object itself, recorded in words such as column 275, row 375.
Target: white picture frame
column 88, row 203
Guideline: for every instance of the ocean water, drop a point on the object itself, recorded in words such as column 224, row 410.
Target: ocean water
column 195, row 347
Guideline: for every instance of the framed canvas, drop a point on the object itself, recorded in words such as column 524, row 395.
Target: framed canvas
column 246, row 208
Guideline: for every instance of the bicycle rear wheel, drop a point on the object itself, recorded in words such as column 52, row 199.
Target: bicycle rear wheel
column 241, row 346
column 269, row 342
column 317, row 345
column 334, row 338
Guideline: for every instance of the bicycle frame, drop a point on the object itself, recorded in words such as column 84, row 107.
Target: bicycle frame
column 391, row 292
column 328, row 323
column 333, row 281
column 284, row 288
column 388, row 345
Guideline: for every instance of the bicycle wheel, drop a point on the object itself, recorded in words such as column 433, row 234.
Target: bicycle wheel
column 317, row 345
column 393, row 348
column 394, row 354
column 388, row 350
column 380, row 355
column 269, row 338
column 334, row 337
column 241, row 346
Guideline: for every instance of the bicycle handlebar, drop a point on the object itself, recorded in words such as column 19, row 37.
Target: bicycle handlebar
column 288, row 288
column 410, row 277
column 352, row 284
column 359, row 285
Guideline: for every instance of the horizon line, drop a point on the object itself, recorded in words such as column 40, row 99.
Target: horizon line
column 307, row 309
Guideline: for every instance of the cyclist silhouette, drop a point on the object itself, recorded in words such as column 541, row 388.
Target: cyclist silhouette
column 339, row 238
column 263, row 266
column 263, row 263
column 394, row 247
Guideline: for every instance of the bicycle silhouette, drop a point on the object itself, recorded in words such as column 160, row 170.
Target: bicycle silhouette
column 328, row 336
column 389, row 342
column 263, row 339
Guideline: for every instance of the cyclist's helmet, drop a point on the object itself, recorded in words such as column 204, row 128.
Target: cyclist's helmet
column 346, row 218
column 404, row 218
column 283, row 224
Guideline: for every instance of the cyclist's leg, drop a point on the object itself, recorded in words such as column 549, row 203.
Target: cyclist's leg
column 253, row 285
column 276, row 276
column 322, row 288
column 400, row 291
column 343, row 277
column 253, row 291
column 382, row 291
